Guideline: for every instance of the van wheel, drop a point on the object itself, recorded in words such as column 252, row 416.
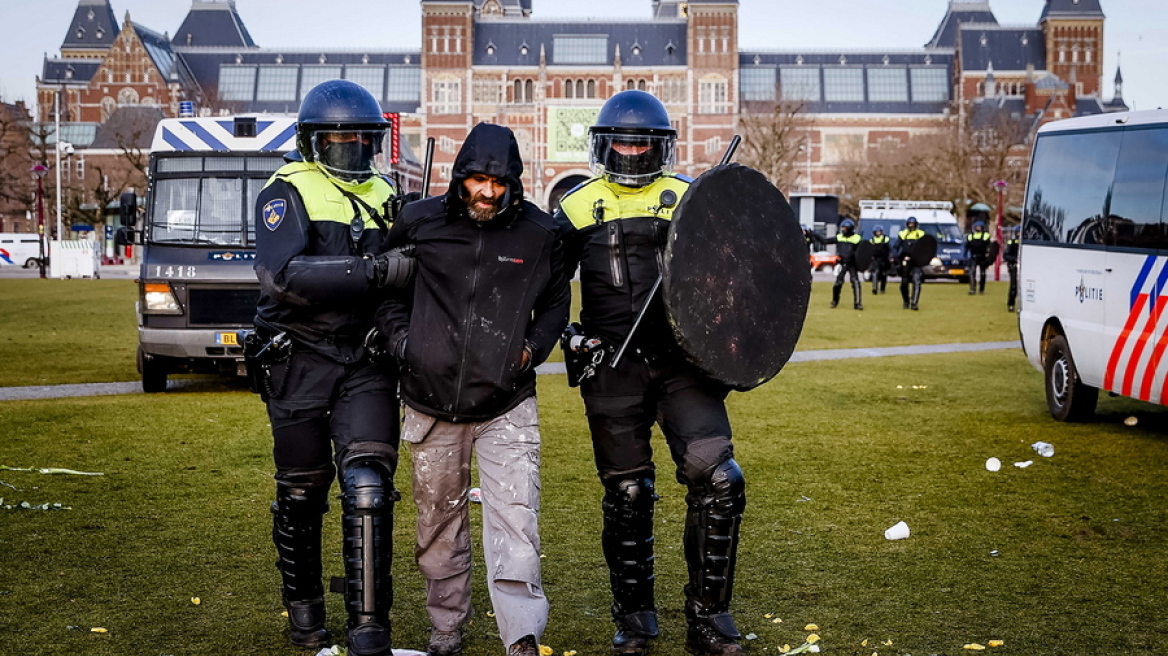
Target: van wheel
column 153, row 373
column 31, row 263
column 1067, row 398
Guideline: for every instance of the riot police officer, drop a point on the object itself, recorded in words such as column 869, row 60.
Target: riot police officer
column 977, row 248
column 910, row 273
column 881, row 259
column 615, row 228
column 1010, row 255
column 846, row 244
column 321, row 224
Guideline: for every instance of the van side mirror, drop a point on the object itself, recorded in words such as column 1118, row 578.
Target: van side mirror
column 128, row 209
column 127, row 237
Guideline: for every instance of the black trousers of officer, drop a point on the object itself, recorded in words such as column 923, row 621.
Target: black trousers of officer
column 1012, row 296
column 911, row 276
column 849, row 270
column 879, row 272
column 320, row 407
column 977, row 275
column 690, row 409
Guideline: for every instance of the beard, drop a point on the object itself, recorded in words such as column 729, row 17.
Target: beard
column 482, row 209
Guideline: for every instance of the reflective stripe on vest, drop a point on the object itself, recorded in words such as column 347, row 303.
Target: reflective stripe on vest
column 911, row 234
column 980, row 236
column 844, row 239
column 620, row 202
column 882, row 239
column 323, row 199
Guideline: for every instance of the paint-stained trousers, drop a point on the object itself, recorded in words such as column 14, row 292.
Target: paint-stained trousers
column 508, row 458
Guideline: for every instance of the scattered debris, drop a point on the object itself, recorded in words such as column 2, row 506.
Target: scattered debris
column 544, row 650
column 1044, row 449
column 973, row 646
column 1024, row 464
column 24, row 505
column 996, row 643
column 196, row 601
column 751, row 636
column 898, row 531
column 50, row 470
column 993, row 464
column 811, row 627
column 99, row 629
column 475, row 495
column 1131, row 421
column 994, row 553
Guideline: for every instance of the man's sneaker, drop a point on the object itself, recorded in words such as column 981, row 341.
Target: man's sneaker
column 525, row 646
column 704, row 640
column 444, row 643
column 306, row 623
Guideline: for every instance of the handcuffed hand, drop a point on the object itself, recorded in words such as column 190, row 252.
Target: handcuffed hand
column 394, row 268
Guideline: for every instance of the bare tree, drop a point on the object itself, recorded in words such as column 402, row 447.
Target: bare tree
column 774, row 142
column 15, row 160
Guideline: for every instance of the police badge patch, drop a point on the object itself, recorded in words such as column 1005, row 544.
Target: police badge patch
column 274, row 213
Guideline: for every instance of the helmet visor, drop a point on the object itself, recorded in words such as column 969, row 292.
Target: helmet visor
column 351, row 155
column 632, row 160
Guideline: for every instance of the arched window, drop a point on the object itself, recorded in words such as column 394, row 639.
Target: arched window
column 127, row 97
column 640, row 85
column 518, row 97
column 568, row 89
column 580, row 88
column 630, row 85
column 591, row 88
column 528, row 91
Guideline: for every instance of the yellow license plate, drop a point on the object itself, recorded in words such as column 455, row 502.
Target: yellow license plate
column 956, row 272
column 226, row 339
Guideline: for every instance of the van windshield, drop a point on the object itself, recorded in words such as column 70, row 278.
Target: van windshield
column 214, row 211
column 945, row 233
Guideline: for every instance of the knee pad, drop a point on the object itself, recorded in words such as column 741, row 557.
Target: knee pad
column 702, row 457
column 305, row 490
column 367, row 477
column 630, row 496
column 723, row 491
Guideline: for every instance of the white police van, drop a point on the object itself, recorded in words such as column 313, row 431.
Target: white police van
column 197, row 283
column 933, row 217
column 1093, row 277
column 21, row 249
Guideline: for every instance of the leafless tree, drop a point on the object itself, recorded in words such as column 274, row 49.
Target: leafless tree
column 774, row 142
column 15, row 159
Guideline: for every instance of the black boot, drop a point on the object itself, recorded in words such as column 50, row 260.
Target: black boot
column 711, row 553
column 367, row 499
column 627, row 540
column 301, row 501
column 856, row 296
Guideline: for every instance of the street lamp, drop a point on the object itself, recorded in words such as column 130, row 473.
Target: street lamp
column 64, row 148
column 1000, row 186
column 38, row 174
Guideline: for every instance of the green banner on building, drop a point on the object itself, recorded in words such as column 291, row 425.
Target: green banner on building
column 568, row 133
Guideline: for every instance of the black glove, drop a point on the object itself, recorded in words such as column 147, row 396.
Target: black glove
column 404, row 199
column 394, row 268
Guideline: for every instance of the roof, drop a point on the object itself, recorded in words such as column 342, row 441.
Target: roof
column 957, row 14
column 642, row 43
column 1071, row 9
column 1008, row 48
column 69, row 71
column 81, row 135
column 213, row 23
column 131, row 126
column 94, row 26
column 158, row 47
column 1129, row 119
column 509, row 7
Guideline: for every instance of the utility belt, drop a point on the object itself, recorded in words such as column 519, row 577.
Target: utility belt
column 261, row 352
column 584, row 355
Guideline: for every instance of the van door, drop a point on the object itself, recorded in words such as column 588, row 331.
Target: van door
column 1137, row 273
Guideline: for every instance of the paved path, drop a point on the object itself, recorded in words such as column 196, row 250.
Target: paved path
column 207, row 384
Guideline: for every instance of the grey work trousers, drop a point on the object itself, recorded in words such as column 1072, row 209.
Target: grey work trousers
column 508, row 461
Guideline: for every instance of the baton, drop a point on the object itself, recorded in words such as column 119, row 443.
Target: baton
column 729, row 154
column 427, row 166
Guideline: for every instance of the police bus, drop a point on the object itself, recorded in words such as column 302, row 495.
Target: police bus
column 196, row 282
column 1094, row 260
column 933, row 217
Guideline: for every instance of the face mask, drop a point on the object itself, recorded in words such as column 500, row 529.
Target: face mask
column 348, row 160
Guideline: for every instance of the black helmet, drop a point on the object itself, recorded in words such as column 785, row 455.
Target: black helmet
column 979, row 224
column 347, row 109
column 637, row 121
column 912, row 220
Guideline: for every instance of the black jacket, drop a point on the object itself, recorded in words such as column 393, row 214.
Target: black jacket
column 482, row 293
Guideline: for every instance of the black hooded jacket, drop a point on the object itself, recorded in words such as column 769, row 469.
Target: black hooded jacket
column 482, row 294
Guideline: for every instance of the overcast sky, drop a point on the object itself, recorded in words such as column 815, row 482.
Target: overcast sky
column 1136, row 28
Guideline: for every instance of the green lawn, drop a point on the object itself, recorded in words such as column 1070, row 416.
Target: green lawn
column 84, row 331
column 1064, row 557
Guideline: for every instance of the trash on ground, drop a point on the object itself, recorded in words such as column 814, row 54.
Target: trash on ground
column 996, row 643
column 544, row 650
column 1044, row 449
column 50, row 470
column 898, row 531
column 1024, row 464
column 805, row 648
column 993, row 464
column 1131, row 421
column 751, row 636
column 994, row 553
column 475, row 495
column 813, row 638
column 811, row 627
column 196, row 601
column 99, row 629
column 24, row 505
column 777, row 620
column 973, row 646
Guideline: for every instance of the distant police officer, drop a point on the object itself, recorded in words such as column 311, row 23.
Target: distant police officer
column 615, row 228
column 321, row 226
column 977, row 248
column 846, row 244
column 911, row 275
column 1010, row 255
column 881, row 259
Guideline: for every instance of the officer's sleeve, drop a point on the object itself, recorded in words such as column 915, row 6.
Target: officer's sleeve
column 285, row 270
column 571, row 243
column 552, row 307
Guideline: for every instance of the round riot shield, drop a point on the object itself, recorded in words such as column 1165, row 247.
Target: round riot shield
column 736, row 282
column 923, row 251
column 992, row 251
column 864, row 255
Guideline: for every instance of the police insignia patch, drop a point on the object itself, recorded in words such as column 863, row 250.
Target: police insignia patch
column 273, row 213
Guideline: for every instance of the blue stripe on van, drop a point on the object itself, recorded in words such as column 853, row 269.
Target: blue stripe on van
column 172, row 139
column 202, row 133
column 1141, row 279
column 280, row 140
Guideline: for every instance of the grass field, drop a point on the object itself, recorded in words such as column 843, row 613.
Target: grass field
column 54, row 332
column 1063, row 557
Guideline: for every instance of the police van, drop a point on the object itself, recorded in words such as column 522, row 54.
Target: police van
column 933, row 217
column 1093, row 273
column 197, row 286
column 21, row 249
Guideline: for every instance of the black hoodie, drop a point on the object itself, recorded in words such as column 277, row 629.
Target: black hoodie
column 483, row 293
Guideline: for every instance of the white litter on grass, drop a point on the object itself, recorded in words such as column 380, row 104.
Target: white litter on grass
column 993, row 464
column 1131, row 421
column 337, row 650
column 1024, row 464
column 1044, row 449
column 898, row 531
column 475, row 495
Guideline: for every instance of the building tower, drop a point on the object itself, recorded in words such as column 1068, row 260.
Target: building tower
column 1074, row 43
column 447, row 77
column 713, row 70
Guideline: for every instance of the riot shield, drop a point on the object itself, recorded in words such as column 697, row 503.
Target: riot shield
column 864, row 255
column 992, row 252
column 923, row 251
column 736, row 282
